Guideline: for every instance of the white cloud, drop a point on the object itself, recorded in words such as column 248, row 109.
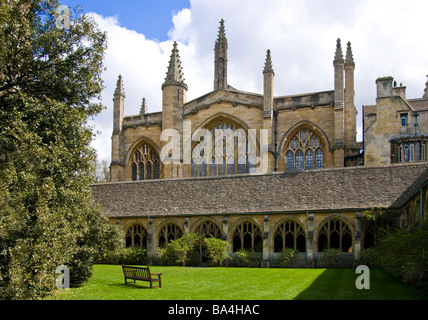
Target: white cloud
column 387, row 39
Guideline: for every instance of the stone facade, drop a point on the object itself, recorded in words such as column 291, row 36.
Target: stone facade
column 329, row 115
column 263, row 172
column 395, row 128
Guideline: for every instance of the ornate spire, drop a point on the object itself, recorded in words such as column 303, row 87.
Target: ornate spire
column 338, row 57
column 119, row 87
column 143, row 109
column 220, row 59
column 174, row 74
column 425, row 96
column 268, row 63
column 221, row 43
column 349, row 56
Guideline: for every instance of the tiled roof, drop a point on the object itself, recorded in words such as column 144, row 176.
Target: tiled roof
column 353, row 188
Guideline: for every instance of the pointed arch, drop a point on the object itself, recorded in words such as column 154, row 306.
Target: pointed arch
column 304, row 147
column 220, row 146
column 143, row 160
column 289, row 233
column 335, row 232
column 247, row 234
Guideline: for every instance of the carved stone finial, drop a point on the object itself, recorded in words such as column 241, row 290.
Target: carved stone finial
column 143, row 109
column 338, row 57
column 174, row 74
column 268, row 63
column 349, row 56
column 119, row 87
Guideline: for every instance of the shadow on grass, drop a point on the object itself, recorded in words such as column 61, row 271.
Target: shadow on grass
column 339, row 284
column 130, row 286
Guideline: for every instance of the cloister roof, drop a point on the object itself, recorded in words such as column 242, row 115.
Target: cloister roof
column 339, row 189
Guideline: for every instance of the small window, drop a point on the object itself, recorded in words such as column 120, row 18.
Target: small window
column 404, row 120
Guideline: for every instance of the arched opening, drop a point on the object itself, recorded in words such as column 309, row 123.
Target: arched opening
column 145, row 162
column 222, row 147
column 335, row 234
column 136, row 236
column 304, row 150
column 207, row 229
column 289, row 234
column 247, row 235
column 168, row 232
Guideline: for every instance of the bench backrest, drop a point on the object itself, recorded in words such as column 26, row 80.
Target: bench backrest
column 139, row 272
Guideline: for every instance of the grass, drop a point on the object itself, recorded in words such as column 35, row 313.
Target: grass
column 186, row 283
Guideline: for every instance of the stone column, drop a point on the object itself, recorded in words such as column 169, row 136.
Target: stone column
column 357, row 252
column 310, row 241
column 186, row 225
column 151, row 250
column 265, row 261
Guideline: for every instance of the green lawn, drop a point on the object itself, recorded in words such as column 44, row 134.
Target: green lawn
column 186, row 283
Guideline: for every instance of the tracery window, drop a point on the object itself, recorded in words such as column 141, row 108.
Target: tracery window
column 223, row 148
column 289, row 234
column 304, row 151
column 207, row 229
column 335, row 234
column 136, row 236
column 169, row 232
column 145, row 163
column 248, row 236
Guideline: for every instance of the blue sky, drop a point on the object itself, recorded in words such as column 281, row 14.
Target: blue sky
column 149, row 17
column 387, row 39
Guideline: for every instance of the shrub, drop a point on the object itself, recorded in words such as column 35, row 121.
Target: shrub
column 285, row 257
column 182, row 251
column 370, row 257
column 216, row 251
column 329, row 258
column 248, row 258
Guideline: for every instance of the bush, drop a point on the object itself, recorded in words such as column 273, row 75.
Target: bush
column 131, row 255
column 403, row 254
column 216, row 251
column 248, row 258
column 329, row 258
column 370, row 257
column 285, row 257
column 183, row 251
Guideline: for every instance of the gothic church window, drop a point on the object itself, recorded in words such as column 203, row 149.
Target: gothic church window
column 223, row 148
column 304, row 151
column 145, row 163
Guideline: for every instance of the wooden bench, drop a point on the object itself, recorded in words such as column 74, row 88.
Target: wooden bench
column 142, row 274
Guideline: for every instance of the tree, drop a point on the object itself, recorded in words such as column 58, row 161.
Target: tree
column 49, row 77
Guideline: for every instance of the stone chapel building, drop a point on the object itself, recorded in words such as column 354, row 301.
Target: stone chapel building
column 260, row 171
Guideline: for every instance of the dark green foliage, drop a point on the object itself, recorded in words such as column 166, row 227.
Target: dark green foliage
column 329, row 258
column 284, row 259
column 183, row 251
column 48, row 77
column 217, row 251
column 403, row 254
